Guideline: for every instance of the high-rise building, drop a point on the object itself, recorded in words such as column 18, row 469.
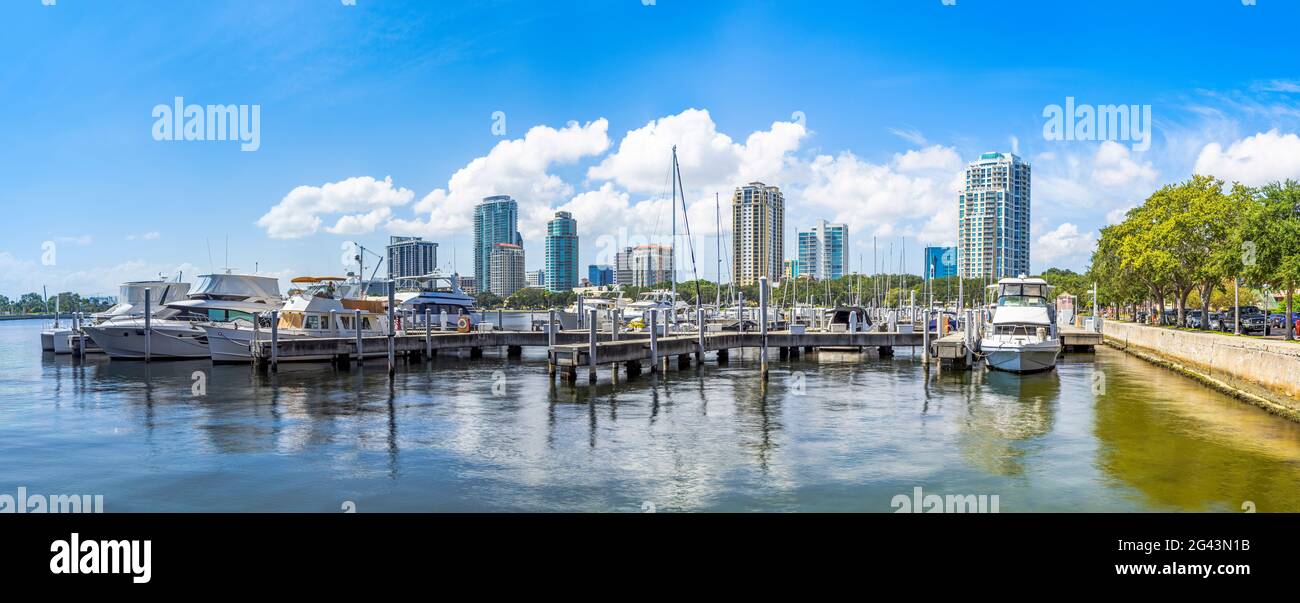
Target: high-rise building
column 562, row 252
column 507, row 272
column 535, row 278
column 758, row 227
column 496, row 220
column 600, row 275
column 468, row 285
column 623, row 267
column 993, row 218
column 790, row 269
column 824, row 250
column 652, row 265
column 410, row 257
column 940, row 262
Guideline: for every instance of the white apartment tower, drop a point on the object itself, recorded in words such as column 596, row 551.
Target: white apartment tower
column 993, row 218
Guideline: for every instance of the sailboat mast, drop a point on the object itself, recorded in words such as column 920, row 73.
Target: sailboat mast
column 717, row 214
column 672, row 250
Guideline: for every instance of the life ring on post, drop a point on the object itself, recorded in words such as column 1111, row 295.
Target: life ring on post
column 463, row 324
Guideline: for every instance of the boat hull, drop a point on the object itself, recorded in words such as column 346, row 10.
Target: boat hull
column 1028, row 358
column 128, row 342
column 230, row 345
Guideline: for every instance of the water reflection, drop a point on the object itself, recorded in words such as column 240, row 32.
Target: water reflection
column 825, row 432
column 1181, row 446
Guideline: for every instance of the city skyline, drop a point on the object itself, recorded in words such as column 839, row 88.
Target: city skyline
column 347, row 152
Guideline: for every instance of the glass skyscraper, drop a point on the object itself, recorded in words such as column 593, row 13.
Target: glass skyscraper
column 824, row 250
column 496, row 220
column 562, row 252
column 600, row 275
column 940, row 262
column 993, row 218
column 409, row 257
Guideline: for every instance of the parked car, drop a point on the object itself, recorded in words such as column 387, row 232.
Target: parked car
column 1279, row 321
column 1252, row 320
column 1193, row 319
column 1217, row 319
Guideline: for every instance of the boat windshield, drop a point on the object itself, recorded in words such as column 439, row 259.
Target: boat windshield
column 1022, row 301
column 1022, row 294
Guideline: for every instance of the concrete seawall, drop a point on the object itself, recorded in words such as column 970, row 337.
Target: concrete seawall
column 1264, row 373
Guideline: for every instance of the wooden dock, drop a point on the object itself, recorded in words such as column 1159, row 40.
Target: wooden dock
column 342, row 350
column 568, row 358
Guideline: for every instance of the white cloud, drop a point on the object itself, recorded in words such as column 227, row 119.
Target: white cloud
column 1064, row 245
column 299, row 213
column 1117, row 215
column 1111, row 177
column 911, row 135
column 517, row 167
column 915, row 192
column 709, row 160
column 1255, row 160
column 148, row 236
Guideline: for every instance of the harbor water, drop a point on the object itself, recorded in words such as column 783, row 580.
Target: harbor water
column 828, row 432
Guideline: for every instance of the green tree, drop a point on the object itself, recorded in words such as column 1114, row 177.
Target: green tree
column 1270, row 238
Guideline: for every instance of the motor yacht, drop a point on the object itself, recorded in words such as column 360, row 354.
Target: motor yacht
column 1023, row 336
column 130, row 303
column 320, row 307
column 177, row 331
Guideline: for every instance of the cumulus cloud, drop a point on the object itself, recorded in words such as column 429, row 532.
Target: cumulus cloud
column 1063, row 245
column 519, row 168
column 1254, row 160
column 362, row 199
column 916, row 191
column 709, row 159
column 1109, row 178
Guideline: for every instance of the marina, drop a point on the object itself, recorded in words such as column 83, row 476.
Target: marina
column 500, row 433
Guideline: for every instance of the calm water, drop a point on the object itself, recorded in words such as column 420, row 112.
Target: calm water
column 835, row 433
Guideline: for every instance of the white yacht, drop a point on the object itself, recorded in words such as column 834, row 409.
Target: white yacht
column 659, row 299
column 177, row 331
column 324, row 307
column 130, row 303
column 1023, row 336
column 434, row 292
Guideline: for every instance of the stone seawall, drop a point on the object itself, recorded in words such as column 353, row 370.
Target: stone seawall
column 1262, row 372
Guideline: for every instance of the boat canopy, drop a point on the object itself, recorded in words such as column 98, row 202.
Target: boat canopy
column 232, row 286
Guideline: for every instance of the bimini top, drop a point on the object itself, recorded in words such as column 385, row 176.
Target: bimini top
column 317, row 279
column 236, row 287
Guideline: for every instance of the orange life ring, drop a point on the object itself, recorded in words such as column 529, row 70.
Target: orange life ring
column 463, row 324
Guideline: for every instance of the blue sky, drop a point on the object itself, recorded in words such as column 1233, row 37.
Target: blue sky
column 861, row 111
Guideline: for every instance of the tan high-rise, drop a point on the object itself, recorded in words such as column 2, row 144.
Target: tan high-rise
column 758, row 233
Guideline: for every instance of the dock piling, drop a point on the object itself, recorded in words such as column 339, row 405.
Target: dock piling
column 356, row 324
column 591, row 346
column 148, row 325
column 275, row 340
column 699, row 321
column 392, row 330
column 762, row 325
column 654, row 340
column 428, row 335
